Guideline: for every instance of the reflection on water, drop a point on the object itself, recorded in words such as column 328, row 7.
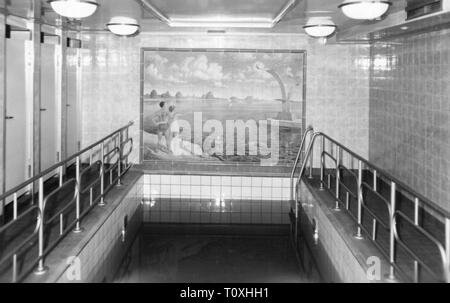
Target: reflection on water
column 200, row 258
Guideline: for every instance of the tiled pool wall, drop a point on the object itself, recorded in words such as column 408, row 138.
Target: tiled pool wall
column 100, row 258
column 216, row 199
column 329, row 240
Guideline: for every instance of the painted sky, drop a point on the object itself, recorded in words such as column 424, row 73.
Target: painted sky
column 225, row 74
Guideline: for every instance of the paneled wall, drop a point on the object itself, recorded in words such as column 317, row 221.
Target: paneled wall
column 410, row 111
column 337, row 81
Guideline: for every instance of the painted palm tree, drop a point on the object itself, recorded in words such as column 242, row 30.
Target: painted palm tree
column 284, row 95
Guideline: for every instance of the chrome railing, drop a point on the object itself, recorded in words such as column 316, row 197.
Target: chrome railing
column 336, row 154
column 300, row 158
column 107, row 157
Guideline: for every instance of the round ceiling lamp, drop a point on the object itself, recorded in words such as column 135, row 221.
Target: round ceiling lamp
column 320, row 27
column 365, row 9
column 76, row 9
column 123, row 26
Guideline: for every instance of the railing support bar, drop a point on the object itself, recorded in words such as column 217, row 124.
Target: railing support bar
column 311, row 157
column 322, row 163
column 119, row 167
column 358, row 234
column 102, row 175
column 41, row 269
column 447, row 247
column 78, row 228
column 391, row 275
column 338, row 178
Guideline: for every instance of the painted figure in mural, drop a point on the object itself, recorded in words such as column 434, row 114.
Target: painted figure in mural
column 180, row 147
column 161, row 120
column 171, row 119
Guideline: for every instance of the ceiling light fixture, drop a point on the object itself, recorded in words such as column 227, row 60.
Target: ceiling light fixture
column 76, row 9
column 365, row 9
column 123, row 26
column 320, row 27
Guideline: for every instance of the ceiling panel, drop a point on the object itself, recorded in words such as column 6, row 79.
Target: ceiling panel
column 185, row 9
column 264, row 10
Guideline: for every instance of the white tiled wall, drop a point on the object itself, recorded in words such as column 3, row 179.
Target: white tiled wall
column 216, row 199
column 216, row 187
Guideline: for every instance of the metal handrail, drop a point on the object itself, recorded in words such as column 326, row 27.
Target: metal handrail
column 14, row 252
column 309, row 130
column 396, row 186
column 442, row 252
column 62, row 163
column 75, row 225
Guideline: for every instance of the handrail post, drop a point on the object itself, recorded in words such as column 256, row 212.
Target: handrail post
column 119, row 167
column 359, row 234
column 416, row 222
column 322, row 163
column 102, row 175
column 78, row 228
column 41, row 269
column 391, row 275
column 375, row 180
column 311, row 157
column 447, row 248
column 338, row 177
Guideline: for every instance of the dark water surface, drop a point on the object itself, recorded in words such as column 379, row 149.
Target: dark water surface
column 211, row 259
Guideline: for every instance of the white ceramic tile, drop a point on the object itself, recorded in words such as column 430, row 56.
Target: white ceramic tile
column 236, row 181
column 185, row 180
column 246, row 181
column 205, row 191
column 277, row 192
column 266, row 182
column 266, row 193
column 256, row 182
column 226, row 181
column 175, row 179
column 165, row 179
column 215, row 191
column 195, row 180
column 277, row 182
column 185, row 190
column 165, row 190
column 155, row 179
column 226, row 192
column 256, row 192
column 246, row 192
column 195, row 191
column 215, row 181
column 236, row 192
column 175, row 190
column 205, row 180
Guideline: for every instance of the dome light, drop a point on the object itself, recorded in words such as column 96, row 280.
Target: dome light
column 365, row 9
column 320, row 27
column 123, row 26
column 76, row 9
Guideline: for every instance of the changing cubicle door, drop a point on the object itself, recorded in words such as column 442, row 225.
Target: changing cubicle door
column 49, row 126
column 16, row 114
column 72, row 102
